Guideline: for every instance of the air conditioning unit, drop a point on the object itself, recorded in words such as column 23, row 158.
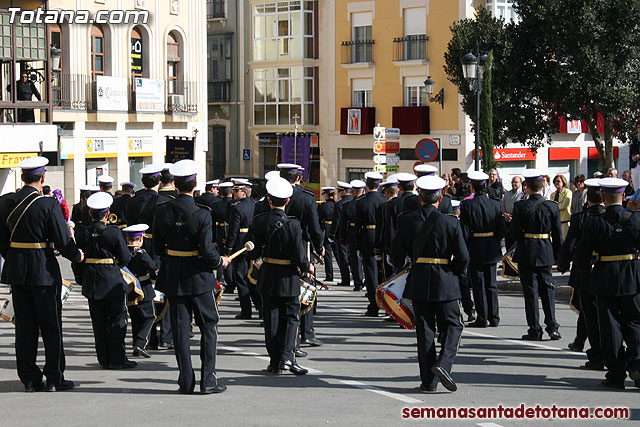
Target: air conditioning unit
column 176, row 102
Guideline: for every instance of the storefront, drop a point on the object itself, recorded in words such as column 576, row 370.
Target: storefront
column 512, row 161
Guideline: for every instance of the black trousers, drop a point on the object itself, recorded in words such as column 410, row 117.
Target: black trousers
column 537, row 281
column 163, row 336
column 465, row 290
column 38, row 308
column 109, row 320
column 620, row 322
column 227, row 275
column 281, row 320
column 142, row 317
column 485, row 292
column 356, row 267
column 205, row 313
column 448, row 313
column 328, row 261
column 581, row 326
column 306, row 324
column 589, row 312
column 246, row 290
column 371, row 281
column 342, row 255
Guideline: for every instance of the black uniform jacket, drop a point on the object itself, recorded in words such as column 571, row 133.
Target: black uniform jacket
column 78, row 215
column 348, row 233
column 240, row 219
column 567, row 251
column 606, row 236
column 207, row 199
column 483, row 215
column 334, row 232
column 326, row 211
column 144, row 268
column 183, row 226
column 103, row 242
column 143, row 200
column 284, row 244
column 536, row 252
column 220, row 216
column 366, row 208
column 431, row 282
column 262, row 206
column 302, row 205
column 42, row 222
column 119, row 209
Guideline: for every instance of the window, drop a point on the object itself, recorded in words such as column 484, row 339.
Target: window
column 55, row 36
column 415, row 31
column 219, row 57
column 173, row 61
column 415, row 92
column 361, row 36
column 217, row 153
column 137, row 68
column 502, row 9
column 362, row 90
column 281, row 94
column 97, row 51
column 284, row 30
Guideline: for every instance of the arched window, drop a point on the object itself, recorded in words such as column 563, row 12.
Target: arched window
column 173, row 63
column 97, row 51
column 137, row 68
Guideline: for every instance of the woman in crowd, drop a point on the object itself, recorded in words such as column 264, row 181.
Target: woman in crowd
column 562, row 196
column 57, row 193
column 547, row 189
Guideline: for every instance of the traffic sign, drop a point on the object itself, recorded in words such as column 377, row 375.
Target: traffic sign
column 393, row 168
column 246, row 154
column 382, row 147
column 393, row 160
column 380, row 168
column 380, row 159
column 427, row 150
column 386, row 134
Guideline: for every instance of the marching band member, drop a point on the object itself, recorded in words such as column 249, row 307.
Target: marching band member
column 278, row 239
column 118, row 214
column 103, row 284
column 435, row 244
column 465, row 287
column 384, row 229
column 189, row 258
column 348, row 233
column 167, row 185
column 220, row 214
column 325, row 216
column 105, row 182
column 29, row 224
column 342, row 256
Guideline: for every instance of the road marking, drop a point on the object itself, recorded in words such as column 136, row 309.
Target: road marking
column 524, row 343
column 396, row 396
column 489, row 425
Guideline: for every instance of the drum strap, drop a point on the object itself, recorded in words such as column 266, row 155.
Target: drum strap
column 18, row 212
column 422, row 235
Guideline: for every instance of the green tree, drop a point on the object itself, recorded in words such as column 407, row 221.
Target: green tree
column 486, row 117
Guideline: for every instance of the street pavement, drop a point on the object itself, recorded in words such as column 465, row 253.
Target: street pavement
column 365, row 374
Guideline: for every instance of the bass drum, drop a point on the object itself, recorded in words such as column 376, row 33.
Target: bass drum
column 509, row 266
column 8, row 313
column 390, row 296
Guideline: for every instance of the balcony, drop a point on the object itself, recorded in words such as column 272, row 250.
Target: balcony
column 182, row 97
column 69, row 92
column 357, row 52
column 412, row 120
column 215, row 9
column 358, row 122
column 410, row 48
column 219, row 91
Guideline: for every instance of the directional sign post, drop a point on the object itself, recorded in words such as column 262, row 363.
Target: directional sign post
column 386, row 142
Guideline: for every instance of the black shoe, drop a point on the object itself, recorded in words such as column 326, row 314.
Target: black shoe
column 637, row 383
column 356, row 289
column 63, row 386
column 243, row 316
column 424, row 387
column 167, row 346
column 139, row 351
column 494, row 324
column 555, row 335
column 218, row 388
column 312, row 342
column 471, row 318
column 575, row 347
column 634, row 375
column 529, row 337
column 128, row 364
column 612, row 384
column 445, row 378
column 477, row 324
column 272, row 369
column 293, row 367
column 370, row 314
column 299, row 353
column 593, row 366
column 32, row 388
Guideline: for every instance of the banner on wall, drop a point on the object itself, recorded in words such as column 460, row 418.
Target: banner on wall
column 298, row 151
column 179, row 148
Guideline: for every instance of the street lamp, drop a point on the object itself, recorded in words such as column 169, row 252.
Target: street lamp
column 439, row 98
column 473, row 71
column 55, row 54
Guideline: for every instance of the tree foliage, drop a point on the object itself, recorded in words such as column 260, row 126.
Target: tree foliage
column 486, row 117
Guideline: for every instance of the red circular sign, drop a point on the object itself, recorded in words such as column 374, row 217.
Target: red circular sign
column 427, row 150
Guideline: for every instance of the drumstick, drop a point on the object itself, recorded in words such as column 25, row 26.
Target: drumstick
column 249, row 246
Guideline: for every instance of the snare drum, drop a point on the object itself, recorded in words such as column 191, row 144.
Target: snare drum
column 162, row 304
column 218, row 291
column 509, row 266
column 390, row 296
column 136, row 294
column 308, row 295
column 6, row 311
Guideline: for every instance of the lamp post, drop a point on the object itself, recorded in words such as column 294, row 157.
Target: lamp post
column 439, row 98
column 473, row 71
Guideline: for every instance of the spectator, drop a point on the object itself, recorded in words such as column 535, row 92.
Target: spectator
column 612, row 173
column 597, row 174
column 46, row 190
column 509, row 199
column 547, row 189
column 62, row 202
column 450, row 186
column 25, row 91
column 562, row 196
column 572, row 186
column 495, row 190
column 634, row 158
column 579, row 197
column 628, row 192
column 456, row 176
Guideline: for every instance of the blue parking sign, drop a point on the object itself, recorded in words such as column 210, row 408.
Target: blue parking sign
column 246, row 154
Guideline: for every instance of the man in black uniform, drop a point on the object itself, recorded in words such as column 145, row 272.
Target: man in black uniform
column 106, row 183
column 302, row 205
column 384, row 230
column 428, row 170
column 535, row 225
column 185, row 240
column 344, row 193
column 483, row 228
column 103, row 284
column 29, row 225
column 167, row 187
column 210, row 195
column 586, row 302
column 438, row 253
column 240, row 219
column 366, row 208
column 118, row 214
column 348, row 233
column 278, row 239
column 465, row 287
column 220, row 214
column 326, row 211
column 614, row 279
column 78, row 208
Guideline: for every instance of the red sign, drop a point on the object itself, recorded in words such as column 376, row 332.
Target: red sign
column 593, row 153
column 513, row 154
column 564, row 153
column 381, row 147
column 427, row 150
